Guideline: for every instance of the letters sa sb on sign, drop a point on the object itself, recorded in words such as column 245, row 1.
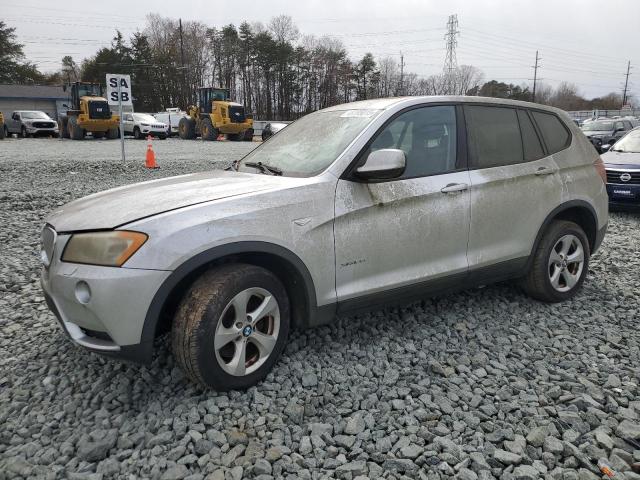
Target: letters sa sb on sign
column 125, row 89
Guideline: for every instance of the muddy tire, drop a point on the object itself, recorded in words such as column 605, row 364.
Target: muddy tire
column 63, row 127
column 560, row 263
column 231, row 327
column 75, row 131
column 187, row 128
column 209, row 133
column 113, row 133
column 248, row 135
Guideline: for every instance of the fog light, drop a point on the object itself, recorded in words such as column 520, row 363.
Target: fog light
column 83, row 292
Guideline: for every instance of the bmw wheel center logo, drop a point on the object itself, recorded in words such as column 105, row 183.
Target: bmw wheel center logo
column 246, row 331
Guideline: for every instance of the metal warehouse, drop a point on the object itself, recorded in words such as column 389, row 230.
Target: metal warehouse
column 49, row 99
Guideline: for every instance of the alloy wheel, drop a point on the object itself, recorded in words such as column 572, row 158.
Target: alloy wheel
column 566, row 263
column 247, row 331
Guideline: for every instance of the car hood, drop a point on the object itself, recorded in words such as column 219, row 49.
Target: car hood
column 119, row 206
column 621, row 159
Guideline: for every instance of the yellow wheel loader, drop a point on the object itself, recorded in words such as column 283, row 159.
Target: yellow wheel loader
column 88, row 112
column 214, row 115
column 3, row 129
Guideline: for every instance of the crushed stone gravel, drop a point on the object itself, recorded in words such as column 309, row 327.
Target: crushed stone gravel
column 482, row 384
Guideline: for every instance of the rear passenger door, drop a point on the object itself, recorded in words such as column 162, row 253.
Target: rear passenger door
column 514, row 185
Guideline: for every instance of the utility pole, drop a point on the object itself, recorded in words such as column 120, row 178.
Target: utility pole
column 182, row 63
column 401, row 89
column 626, row 84
column 450, row 61
column 535, row 76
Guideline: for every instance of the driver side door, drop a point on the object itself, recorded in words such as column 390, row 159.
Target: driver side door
column 412, row 230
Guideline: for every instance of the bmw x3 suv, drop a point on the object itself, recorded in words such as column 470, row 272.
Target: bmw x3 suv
column 354, row 206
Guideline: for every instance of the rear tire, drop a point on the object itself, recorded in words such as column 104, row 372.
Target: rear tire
column 113, row 133
column 560, row 263
column 187, row 128
column 209, row 133
column 75, row 132
column 248, row 135
column 3, row 132
column 231, row 327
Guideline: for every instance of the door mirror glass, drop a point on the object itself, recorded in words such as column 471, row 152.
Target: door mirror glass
column 605, row 148
column 383, row 164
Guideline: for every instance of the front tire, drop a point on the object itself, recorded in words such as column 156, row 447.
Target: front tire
column 560, row 263
column 231, row 327
column 23, row 133
column 75, row 131
column 137, row 134
column 187, row 128
column 209, row 133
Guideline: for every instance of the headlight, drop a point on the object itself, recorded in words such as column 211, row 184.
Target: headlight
column 144, row 124
column 110, row 249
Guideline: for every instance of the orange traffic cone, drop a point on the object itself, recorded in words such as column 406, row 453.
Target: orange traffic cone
column 151, row 156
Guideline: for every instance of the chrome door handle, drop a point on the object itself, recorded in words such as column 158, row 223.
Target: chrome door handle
column 545, row 171
column 454, row 188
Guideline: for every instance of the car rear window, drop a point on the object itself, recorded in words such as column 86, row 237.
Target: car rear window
column 530, row 141
column 554, row 132
column 494, row 136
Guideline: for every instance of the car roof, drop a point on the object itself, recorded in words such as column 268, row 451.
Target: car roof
column 386, row 103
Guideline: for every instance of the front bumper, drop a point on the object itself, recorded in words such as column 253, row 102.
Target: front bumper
column 42, row 131
column 153, row 131
column 111, row 320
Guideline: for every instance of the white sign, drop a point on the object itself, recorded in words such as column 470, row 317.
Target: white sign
column 124, row 88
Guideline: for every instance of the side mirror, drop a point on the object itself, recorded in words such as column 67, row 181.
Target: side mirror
column 383, row 164
column 605, row 148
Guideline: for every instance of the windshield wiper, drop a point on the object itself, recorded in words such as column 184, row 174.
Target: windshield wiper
column 264, row 168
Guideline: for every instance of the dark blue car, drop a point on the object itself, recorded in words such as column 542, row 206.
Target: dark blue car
column 622, row 163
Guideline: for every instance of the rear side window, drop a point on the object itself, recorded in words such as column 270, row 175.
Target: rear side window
column 555, row 134
column 530, row 141
column 494, row 136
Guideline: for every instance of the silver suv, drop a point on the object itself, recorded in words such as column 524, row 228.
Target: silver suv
column 351, row 207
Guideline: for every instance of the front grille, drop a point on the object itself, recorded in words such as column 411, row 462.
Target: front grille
column 99, row 110
column 631, row 178
column 43, row 124
column 236, row 114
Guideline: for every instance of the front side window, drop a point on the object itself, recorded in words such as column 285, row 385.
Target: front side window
column 494, row 136
column 426, row 135
column 555, row 134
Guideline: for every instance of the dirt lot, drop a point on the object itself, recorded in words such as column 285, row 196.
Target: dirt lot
column 482, row 384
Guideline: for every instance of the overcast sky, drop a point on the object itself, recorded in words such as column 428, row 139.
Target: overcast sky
column 586, row 42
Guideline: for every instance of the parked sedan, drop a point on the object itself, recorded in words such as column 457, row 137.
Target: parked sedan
column 140, row 125
column 270, row 129
column 31, row 123
column 606, row 132
column 622, row 163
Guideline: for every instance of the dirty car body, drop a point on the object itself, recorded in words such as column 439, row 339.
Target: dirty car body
column 336, row 237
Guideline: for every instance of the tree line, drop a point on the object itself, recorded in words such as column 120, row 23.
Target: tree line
column 274, row 70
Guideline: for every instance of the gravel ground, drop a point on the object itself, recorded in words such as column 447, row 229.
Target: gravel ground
column 482, row 384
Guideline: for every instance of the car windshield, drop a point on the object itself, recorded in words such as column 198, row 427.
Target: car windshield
column 34, row 115
column 143, row 117
column 309, row 145
column 630, row 143
column 595, row 126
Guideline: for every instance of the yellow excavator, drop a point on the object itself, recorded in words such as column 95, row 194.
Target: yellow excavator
column 214, row 115
column 88, row 112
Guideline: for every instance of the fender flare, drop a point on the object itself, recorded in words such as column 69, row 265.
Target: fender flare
column 157, row 305
column 554, row 213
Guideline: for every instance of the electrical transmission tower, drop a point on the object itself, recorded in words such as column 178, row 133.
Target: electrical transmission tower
column 450, row 61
